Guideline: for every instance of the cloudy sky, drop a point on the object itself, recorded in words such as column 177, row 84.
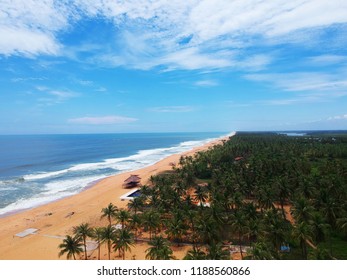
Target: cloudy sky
column 89, row 66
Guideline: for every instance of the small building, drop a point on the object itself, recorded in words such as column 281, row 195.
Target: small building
column 132, row 182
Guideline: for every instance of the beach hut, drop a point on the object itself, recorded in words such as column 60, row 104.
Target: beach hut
column 132, row 181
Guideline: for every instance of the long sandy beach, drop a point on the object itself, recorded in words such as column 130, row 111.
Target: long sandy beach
column 55, row 220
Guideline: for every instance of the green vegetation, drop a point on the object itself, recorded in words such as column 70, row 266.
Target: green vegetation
column 270, row 196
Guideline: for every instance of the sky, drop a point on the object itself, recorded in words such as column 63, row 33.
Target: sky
column 112, row 66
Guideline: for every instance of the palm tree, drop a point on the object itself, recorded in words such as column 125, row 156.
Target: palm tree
column 266, row 197
column 176, row 228
column 151, row 222
column 260, row 251
column 98, row 238
column 71, row 246
column 216, row 252
column 303, row 232
column 83, row 231
column 208, row 231
column 201, row 195
column 135, row 223
column 195, row 254
column 136, row 204
column 320, row 227
column 109, row 212
column 159, row 249
column 239, row 226
column 123, row 240
column 302, row 210
column 342, row 224
column 108, row 236
column 123, row 217
column 275, row 228
column 283, row 193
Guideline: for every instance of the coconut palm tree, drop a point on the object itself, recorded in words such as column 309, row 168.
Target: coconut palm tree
column 135, row 223
column 302, row 210
column 83, row 231
column 122, row 216
column 108, row 235
column 98, row 238
column 123, row 240
column 342, row 224
column 151, row 222
column 195, row 254
column 320, row 227
column 159, row 249
column 238, row 224
column 109, row 212
column 216, row 252
column 176, row 228
column 71, row 246
column 275, row 229
column 200, row 195
column 303, row 233
column 260, row 251
column 136, row 204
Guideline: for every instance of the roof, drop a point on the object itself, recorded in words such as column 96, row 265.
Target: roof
column 133, row 179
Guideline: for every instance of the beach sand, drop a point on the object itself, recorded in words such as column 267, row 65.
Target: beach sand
column 56, row 219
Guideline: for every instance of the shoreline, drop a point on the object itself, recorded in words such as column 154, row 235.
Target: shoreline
column 55, row 219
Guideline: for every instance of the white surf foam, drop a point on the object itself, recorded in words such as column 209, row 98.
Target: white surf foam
column 52, row 191
column 44, row 175
column 139, row 160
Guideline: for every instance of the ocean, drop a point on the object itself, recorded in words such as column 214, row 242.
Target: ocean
column 38, row 169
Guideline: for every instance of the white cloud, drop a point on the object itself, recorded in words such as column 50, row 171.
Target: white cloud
column 154, row 33
column 27, row 42
column 55, row 96
column 341, row 117
column 28, row 27
column 303, row 81
column 172, row 109
column 206, row 83
column 330, row 59
column 105, row 120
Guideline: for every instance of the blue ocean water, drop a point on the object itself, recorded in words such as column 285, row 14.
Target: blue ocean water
column 37, row 169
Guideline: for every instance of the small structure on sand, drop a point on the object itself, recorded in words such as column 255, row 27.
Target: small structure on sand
column 132, row 181
column 26, row 232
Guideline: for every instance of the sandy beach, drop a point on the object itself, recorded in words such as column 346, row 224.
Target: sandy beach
column 56, row 219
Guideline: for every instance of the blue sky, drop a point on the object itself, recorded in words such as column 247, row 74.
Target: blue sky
column 85, row 66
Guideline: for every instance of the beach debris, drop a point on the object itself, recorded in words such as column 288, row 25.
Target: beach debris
column 26, row 232
column 69, row 215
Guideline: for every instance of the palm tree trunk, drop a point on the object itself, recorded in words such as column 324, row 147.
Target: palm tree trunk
column 283, row 212
column 240, row 246
column 98, row 251
column 74, row 257
column 85, row 249
column 109, row 249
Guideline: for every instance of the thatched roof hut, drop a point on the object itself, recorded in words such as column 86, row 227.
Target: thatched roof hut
column 132, row 181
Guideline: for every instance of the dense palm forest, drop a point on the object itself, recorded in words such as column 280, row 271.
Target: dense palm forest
column 267, row 196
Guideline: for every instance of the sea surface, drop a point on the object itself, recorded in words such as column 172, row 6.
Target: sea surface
column 37, row 169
